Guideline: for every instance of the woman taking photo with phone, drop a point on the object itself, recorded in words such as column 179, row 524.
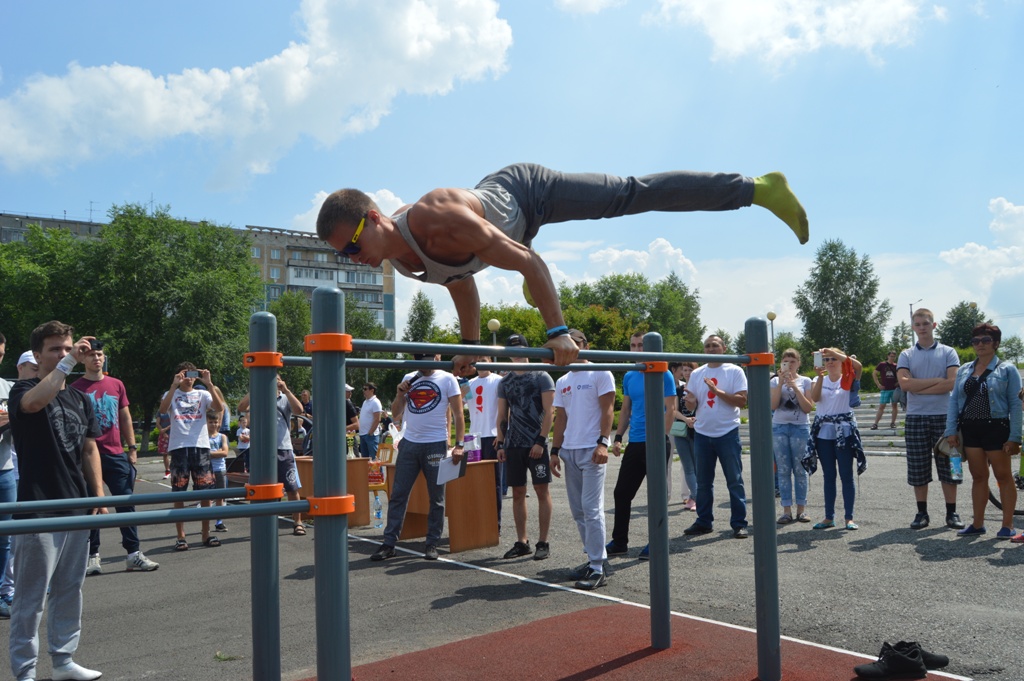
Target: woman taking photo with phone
column 986, row 408
column 834, row 436
column 790, row 407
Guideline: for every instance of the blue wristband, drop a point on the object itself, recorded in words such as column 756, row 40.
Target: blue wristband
column 558, row 331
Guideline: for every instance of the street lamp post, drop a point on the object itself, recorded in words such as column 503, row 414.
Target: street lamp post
column 771, row 322
column 912, row 315
column 493, row 325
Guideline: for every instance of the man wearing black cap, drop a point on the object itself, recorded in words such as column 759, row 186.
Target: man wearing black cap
column 524, row 419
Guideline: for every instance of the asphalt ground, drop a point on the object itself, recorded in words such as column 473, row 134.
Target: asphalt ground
column 853, row 590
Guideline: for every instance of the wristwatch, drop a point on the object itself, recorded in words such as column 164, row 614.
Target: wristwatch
column 603, row 440
column 133, row 447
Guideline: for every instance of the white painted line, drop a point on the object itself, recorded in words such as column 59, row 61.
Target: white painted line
column 613, row 599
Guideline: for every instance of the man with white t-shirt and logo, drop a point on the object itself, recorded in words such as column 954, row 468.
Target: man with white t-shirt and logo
column 584, row 411
column 425, row 396
column 369, row 420
column 483, row 409
column 717, row 392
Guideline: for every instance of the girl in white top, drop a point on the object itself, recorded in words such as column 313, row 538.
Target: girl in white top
column 834, row 433
column 790, row 406
column 218, row 461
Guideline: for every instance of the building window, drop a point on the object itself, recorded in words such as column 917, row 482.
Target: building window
column 255, row 251
column 296, row 255
column 275, row 273
column 275, row 253
column 314, row 273
column 372, row 278
column 320, row 257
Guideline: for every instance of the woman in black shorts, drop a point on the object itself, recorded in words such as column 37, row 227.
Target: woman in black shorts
column 986, row 406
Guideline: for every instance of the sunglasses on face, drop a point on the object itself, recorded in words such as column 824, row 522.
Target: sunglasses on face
column 353, row 247
column 831, row 359
column 982, row 340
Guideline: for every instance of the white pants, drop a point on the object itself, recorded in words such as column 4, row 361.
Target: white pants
column 584, row 485
column 56, row 560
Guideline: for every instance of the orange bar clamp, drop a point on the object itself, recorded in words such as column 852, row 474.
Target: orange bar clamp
column 655, row 367
column 251, row 360
column 342, row 505
column 324, row 342
column 270, row 492
column 761, row 359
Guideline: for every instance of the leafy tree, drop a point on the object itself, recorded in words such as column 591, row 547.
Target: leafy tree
column 170, row 291
column 676, row 315
column 730, row 346
column 420, row 326
column 955, row 329
column 838, row 303
column 1012, row 348
column 631, row 294
column 785, row 340
column 901, row 338
column 294, row 323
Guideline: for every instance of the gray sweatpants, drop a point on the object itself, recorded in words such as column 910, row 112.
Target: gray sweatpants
column 546, row 195
column 584, row 487
column 56, row 560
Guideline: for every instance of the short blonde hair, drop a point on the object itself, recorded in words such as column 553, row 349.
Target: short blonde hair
column 923, row 312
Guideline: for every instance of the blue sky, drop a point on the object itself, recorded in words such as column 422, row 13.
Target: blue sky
column 898, row 123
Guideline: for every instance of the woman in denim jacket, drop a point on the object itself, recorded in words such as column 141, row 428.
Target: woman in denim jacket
column 986, row 407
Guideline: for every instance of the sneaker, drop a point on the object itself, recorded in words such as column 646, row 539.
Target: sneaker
column 690, row 505
column 518, row 549
column 931, row 660
column 138, row 562
column 74, row 672
column 1019, row 539
column 543, row 551
column 740, row 533
column 5, row 607
column 220, row 527
column 93, row 567
column 953, row 521
column 696, row 529
column 645, row 553
column 383, row 553
column 614, row 549
column 167, row 474
column 580, row 572
column 592, row 580
column 920, row 521
column 905, row 664
column 430, row 553
column 971, row 530
column 1005, row 533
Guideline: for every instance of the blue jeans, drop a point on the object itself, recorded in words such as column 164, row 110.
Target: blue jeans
column 790, row 446
column 684, row 446
column 831, row 456
column 368, row 446
column 8, row 493
column 412, row 458
column 727, row 450
column 119, row 476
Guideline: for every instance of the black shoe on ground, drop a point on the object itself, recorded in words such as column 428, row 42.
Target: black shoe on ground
column 920, row 521
column 613, row 549
column 592, row 580
column 430, row 553
column 931, row 660
column 740, row 533
column 543, row 551
column 383, row 553
column 697, row 529
column 580, row 572
column 518, row 549
column 894, row 664
column 953, row 521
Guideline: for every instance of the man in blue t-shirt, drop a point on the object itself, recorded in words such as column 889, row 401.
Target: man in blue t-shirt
column 634, row 464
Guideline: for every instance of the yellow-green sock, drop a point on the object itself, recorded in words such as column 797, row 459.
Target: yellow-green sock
column 772, row 191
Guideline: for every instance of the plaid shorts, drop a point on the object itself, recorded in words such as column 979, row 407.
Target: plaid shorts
column 922, row 432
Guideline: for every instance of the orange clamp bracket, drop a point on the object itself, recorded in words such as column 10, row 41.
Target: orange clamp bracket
column 324, row 342
column 761, row 359
column 251, row 360
column 655, row 367
column 342, row 505
column 271, row 492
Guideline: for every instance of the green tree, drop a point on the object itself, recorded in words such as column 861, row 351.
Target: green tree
column 955, row 329
column 839, row 306
column 675, row 314
column 294, row 323
column 169, row 291
column 1012, row 348
column 727, row 339
column 420, row 326
column 785, row 340
column 901, row 337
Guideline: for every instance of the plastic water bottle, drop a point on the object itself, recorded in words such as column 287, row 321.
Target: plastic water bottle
column 956, row 464
column 378, row 512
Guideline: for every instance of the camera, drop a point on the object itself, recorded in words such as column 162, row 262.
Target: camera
column 95, row 344
column 192, row 374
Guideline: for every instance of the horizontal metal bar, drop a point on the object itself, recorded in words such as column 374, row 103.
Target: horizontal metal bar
column 122, row 500
column 165, row 516
column 536, row 366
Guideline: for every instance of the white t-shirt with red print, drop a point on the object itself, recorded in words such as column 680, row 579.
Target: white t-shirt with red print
column 715, row 416
column 483, row 405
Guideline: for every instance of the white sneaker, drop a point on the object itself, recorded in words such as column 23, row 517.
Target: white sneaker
column 93, row 567
column 75, row 672
column 138, row 562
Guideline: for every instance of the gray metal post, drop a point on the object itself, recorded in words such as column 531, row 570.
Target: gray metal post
column 762, row 459
column 266, row 597
column 330, row 551
column 657, row 499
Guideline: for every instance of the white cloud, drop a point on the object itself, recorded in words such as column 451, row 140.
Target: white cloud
column 338, row 82
column 586, row 6
column 782, row 29
column 306, row 222
column 660, row 258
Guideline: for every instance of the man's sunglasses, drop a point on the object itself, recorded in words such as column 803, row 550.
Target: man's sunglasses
column 352, row 247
